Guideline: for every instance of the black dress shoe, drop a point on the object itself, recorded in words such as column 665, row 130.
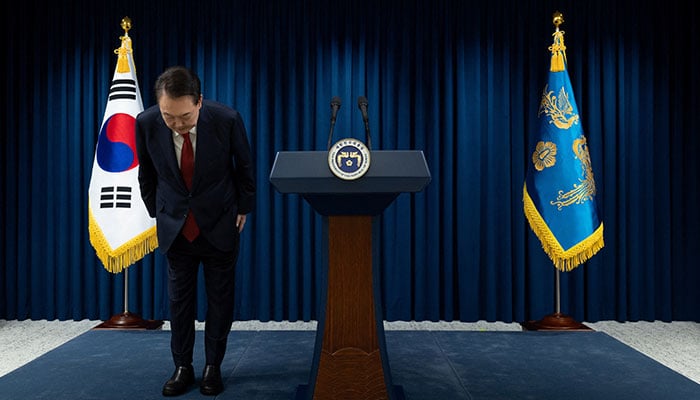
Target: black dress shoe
column 211, row 381
column 182, row 378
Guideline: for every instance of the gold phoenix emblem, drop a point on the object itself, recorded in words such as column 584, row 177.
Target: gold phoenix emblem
column 585, row 189
column 557, row 108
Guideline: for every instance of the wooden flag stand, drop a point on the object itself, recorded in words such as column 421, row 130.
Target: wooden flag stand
column 128, row 320
column 556, row 321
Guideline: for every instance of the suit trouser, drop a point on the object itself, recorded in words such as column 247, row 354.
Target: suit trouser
column 184, row 258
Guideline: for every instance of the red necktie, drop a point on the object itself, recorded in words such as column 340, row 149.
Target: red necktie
column 190, row 230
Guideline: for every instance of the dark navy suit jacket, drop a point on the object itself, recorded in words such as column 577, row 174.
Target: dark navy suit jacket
column 224, row 178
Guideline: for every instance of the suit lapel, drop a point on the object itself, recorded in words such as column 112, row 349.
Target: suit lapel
column 207, row 144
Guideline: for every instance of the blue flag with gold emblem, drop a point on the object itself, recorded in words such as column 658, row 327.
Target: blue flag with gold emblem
column 559, row 191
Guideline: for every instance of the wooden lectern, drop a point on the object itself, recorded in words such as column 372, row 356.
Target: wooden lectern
column 350, row 360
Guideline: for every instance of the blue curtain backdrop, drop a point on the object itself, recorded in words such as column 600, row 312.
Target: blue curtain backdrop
column 459, row 80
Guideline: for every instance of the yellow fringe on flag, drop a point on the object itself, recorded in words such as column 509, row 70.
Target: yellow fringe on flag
column 563, row 260
column 116, row 260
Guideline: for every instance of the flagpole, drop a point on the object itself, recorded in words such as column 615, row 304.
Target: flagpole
column 126, row 291
column 558, row 320
column 557, row 291
column 118, row 263
column 128, row 320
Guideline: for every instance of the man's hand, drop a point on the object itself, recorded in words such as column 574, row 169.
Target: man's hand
column 240, row 222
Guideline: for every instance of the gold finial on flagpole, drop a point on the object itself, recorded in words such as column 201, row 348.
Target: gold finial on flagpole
column 126, row 25
column 558, row 48
column 125, row 49
column 557, row 19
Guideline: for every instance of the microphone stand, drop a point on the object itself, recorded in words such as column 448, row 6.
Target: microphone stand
column 335, row 106
column 330, row 133
column 367, row 137
column 362, row 103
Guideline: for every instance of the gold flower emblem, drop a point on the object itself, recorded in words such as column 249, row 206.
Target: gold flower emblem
column 545, row 155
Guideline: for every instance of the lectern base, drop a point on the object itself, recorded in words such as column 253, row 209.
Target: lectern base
column 302, row 393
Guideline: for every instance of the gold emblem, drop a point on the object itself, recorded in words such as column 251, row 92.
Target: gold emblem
column 347, row 158
column 585, row 189
column 557, row 108
column 545, row 155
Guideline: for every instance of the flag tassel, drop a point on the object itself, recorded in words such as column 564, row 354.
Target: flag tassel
column 557, row 63
column 558, row 48
column 122, row 54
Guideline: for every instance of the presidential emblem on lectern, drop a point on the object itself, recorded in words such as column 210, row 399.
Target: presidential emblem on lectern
column 348, row 159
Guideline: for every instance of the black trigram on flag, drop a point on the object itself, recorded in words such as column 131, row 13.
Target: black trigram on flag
column 122, row 89
column 115, row 197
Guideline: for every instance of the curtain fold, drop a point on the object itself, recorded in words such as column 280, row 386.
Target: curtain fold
column 459, row 80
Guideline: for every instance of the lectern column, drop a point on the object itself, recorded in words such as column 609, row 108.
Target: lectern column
column 350, row 363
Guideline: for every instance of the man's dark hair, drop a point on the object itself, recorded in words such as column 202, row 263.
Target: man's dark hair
column 177, row 82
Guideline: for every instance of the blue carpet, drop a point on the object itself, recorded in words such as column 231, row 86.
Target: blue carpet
column 430, row 365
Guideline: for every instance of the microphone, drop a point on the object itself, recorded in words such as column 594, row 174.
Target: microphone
column 335, row 106
column 362, row 103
